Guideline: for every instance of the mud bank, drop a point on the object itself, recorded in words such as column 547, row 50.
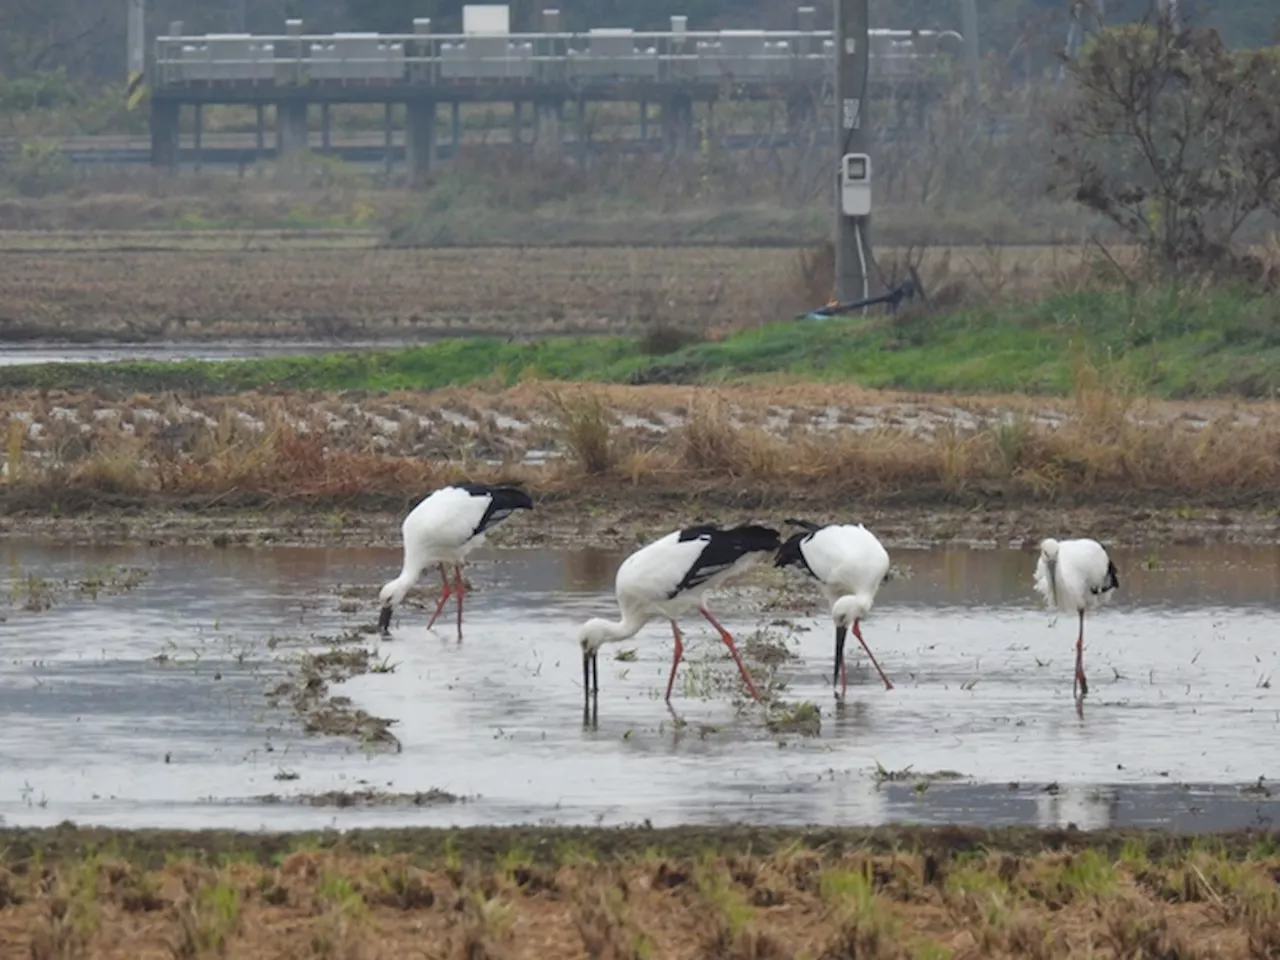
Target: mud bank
column 612, row 519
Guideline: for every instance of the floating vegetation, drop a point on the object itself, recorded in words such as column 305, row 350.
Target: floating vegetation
column 308, row 693
column 803, row 718
column 35, row 593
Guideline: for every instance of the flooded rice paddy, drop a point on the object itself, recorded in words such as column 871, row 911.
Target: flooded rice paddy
column 134, row 686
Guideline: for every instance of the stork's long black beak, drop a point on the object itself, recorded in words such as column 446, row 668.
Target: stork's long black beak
column 384, row 620
column 841, row 633
column 590, row 672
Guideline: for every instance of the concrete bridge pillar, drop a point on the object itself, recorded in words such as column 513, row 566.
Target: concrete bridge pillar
column 677, row 124
column 164, row 134
column 291, row 132
column 420, row 139
column 548, row 135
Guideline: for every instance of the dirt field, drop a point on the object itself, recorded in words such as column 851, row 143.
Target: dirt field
column 733, row 893
column 138, row 286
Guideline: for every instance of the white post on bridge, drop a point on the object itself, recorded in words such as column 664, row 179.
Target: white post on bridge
column 136, row 43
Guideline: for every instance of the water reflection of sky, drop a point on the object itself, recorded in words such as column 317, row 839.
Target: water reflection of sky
column 147, row 707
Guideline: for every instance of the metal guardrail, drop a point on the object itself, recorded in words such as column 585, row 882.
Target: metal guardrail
column 574, row 59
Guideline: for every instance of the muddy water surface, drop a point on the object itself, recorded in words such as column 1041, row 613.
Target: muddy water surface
column 146, row 706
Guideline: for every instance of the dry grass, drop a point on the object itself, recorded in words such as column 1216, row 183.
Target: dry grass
column 795, row 903
column 878, row 447
column 257, row 285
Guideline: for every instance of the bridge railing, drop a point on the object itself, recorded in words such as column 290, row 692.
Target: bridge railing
column 575, row 59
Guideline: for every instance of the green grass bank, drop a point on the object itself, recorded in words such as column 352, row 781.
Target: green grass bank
column 1162, row 342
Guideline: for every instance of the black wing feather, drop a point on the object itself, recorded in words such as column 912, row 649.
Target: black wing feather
column 806, row 524
column 724, row 548
column 1113, row 579
column 503, row 501
column 790, row 553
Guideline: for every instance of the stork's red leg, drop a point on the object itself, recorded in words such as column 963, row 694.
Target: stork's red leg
column 444, row 577
column 1080, row 681
column 675, row 659
column 857, row 632
column 728, row 642
column 460, row 591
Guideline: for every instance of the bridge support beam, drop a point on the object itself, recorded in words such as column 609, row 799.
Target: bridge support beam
column 420, row 139
column 164, row 134
column 517, row 122
column 548, row 136
column 291, row 133
column 197, row 136
column 677, row 124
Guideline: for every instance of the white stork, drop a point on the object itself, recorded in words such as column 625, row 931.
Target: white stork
column 849, row 564
column 1075, row 576
column 442, row 529
column 672, row 576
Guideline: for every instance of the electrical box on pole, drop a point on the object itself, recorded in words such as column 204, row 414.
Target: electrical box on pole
column 853, row 165
column 855, row 185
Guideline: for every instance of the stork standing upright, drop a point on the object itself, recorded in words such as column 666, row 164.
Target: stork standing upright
column 849, row 564
column 1075, row 576
column 442, row 529
column 672, row 576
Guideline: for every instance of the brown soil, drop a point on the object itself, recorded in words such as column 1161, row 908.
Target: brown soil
column 267, row 285
column 689, row 892
column 626, row 518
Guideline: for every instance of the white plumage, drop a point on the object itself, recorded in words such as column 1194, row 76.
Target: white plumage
column 670, row 577
column 1074, row 576
column 849, row 564
column 443, row 529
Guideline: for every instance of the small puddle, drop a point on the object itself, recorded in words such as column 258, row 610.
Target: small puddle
column 146, row 706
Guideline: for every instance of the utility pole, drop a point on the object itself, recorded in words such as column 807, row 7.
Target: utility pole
column 972, row 54
column 853, row 171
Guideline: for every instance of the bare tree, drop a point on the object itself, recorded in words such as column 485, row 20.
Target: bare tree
column 1173, row 137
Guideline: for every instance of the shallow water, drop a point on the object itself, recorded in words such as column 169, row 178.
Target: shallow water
column 147, row 707
column 14, row 355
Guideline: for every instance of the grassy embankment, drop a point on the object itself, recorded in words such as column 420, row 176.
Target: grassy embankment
column 1163, row 343
column 905, row 894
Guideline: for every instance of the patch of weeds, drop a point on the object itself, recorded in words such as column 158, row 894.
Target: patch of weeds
column 585, row 427
column 1134, row 928
column 207, row 917
column 485, row 927
column 732, row 932
column 72, row 918
column 344, row 912
column 1083, row 875
column 605, row 925
column 803, row 718
column 864, row 925
column 400, row 885
column 626, row 656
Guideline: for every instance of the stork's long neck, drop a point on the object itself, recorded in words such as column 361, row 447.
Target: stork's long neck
column 1051, row 576
column 624, row 629
column 396, row 589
